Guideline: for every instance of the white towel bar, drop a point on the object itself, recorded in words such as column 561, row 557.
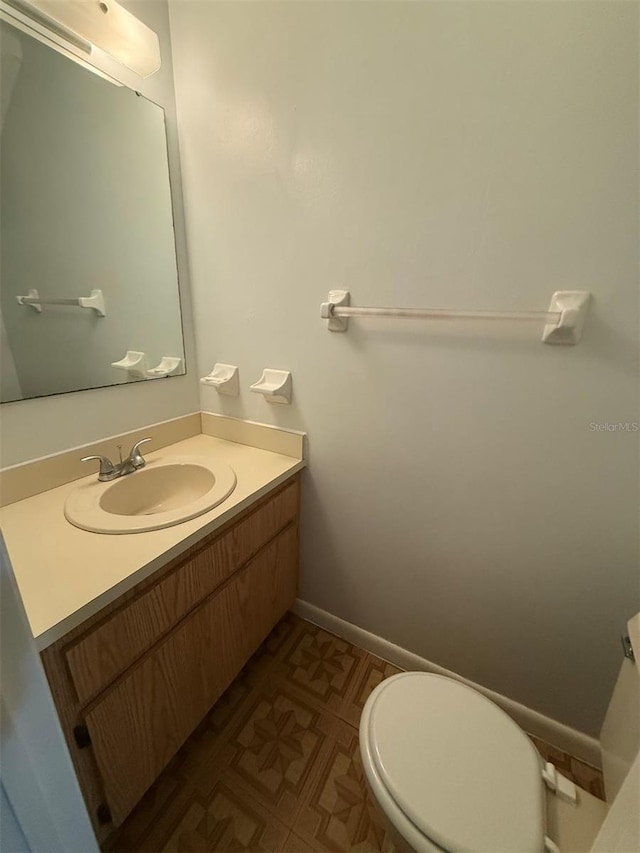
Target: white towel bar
column 563, row 322
column 95, row 301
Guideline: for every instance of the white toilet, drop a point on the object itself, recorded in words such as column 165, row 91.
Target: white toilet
column 451, row 771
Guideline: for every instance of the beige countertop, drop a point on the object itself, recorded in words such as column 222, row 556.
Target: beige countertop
column 66, row 574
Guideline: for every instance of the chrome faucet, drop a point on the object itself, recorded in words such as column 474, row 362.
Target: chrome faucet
column 109, row 471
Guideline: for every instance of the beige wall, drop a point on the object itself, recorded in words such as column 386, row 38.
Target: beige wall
column 34, row 428
column 473, row 155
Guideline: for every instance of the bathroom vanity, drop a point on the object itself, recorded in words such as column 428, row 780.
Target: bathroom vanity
column 132, row 682
column 138, row 666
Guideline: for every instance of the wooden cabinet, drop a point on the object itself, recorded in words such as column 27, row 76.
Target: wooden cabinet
column 133, row 682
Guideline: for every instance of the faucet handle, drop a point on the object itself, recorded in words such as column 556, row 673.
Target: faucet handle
column 106, row 466
column 135, row 457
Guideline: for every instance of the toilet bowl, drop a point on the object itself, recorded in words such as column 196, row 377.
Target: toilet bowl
column 451, row 771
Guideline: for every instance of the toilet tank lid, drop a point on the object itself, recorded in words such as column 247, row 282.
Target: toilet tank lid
column 456, row 765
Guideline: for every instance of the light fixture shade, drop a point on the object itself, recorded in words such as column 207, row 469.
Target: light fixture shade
column 105, row 24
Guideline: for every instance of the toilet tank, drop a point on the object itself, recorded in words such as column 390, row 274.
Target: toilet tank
column 620, row 734
column 620, row 744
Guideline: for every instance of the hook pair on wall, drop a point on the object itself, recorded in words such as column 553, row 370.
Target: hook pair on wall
column 135, row 364
column 274, row 385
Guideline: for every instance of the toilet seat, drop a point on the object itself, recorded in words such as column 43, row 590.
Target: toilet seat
column 450, row 769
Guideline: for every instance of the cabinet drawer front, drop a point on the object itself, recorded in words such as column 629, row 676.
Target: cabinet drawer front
column 143, row 720
column 109, row 649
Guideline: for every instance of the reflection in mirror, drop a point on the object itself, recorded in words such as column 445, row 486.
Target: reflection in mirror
column 85, row 213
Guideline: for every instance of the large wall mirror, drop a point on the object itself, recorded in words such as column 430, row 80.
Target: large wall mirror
column 87, row 257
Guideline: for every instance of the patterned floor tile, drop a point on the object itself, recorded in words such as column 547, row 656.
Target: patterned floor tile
column 273, row 746
column 295, row 844
column 371, row 671
column 338, row 813
column 227, row 821
column 321, row 665
column 152, row 821
column 200, row 766
column 275, row 646
column 228, row 705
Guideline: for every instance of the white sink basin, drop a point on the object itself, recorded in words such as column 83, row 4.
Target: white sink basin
column 165, row 492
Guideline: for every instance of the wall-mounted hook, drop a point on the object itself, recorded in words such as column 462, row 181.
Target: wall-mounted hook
column 224, row 378
column 135, row 363
column 169, row 366
column 274, row 385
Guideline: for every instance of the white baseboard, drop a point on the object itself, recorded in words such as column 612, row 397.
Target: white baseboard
column 558, row 734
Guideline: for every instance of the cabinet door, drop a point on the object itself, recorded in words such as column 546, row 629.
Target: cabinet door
column 139, row 725
column 265, row 594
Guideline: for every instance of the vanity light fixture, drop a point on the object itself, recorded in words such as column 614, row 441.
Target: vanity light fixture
column 47, row 32
column 50, row 24
column 103, row 24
